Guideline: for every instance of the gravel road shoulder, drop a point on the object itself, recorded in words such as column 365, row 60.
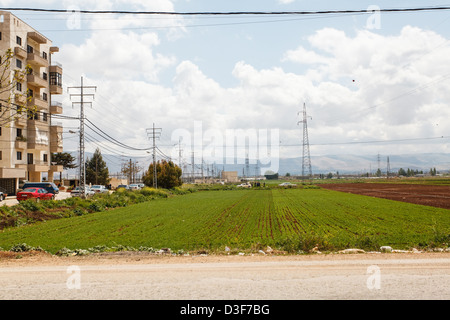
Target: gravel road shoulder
column 33, row 258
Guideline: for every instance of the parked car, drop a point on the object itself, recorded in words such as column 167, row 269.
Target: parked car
column 49, row 186
column 244, row 185
column 287, row 184
column 77, row 191
column 35, row 193
column 135, row 186
column 99, row 189
column 2, row 196
column 122, row 186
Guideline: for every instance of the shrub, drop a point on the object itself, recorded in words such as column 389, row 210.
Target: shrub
column 30, row 205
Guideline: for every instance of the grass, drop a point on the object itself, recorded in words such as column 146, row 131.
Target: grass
column 287, row 219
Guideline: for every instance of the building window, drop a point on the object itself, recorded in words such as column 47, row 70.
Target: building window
column 44, row 96
column 30, row 49
column 19, row 40
column 18, row 63
column 44, row 117
column 0, row 131
column 55, row 79
column 45, row 158
column 19, row 155
column 19, row 87
column 19, row 132
column 1, row 158
column 44, row 55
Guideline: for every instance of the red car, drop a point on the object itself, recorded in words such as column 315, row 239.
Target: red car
column 35, row 193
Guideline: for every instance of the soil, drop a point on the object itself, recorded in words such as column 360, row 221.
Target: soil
column 39, row 258
column 428, row 195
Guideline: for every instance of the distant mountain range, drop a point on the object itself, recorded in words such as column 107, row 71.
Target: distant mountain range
column 344, row 164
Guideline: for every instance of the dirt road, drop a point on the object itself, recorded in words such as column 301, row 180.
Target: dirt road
column 139, row 276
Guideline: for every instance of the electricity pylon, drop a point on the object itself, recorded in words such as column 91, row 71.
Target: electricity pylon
column 306, row 163
column 82, row 102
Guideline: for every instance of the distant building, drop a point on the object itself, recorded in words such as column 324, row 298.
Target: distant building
column 27, row 139
column 229, row 176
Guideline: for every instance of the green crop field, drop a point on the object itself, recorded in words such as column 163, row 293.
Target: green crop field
column 286, row 219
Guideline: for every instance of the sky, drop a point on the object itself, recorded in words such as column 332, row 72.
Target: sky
column 235, row 86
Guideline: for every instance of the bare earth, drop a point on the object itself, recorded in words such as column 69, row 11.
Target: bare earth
column 141, row 276
column 429, row 195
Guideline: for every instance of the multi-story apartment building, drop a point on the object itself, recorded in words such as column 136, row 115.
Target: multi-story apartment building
column 27, row 139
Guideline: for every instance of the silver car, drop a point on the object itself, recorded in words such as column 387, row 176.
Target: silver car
column 77, row 191
column 99, row 189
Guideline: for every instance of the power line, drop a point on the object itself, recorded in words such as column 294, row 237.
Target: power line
column 231, row 13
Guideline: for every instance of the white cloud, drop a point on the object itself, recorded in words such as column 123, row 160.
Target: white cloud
column 117, row 56
column 357, row 88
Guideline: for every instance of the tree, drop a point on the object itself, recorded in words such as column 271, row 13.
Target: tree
column 168, row 175
column 402, row 172
column 11, row 92
column 64, row 159
column 130, row 169
column 433, row 171
column 378, row 173
column 96, row 170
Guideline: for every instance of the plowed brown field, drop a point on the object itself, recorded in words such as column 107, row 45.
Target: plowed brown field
column 429, row 195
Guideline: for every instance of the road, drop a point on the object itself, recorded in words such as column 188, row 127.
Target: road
column 327, row 277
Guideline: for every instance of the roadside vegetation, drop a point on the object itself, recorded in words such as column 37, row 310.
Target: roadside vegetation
column 29, row 211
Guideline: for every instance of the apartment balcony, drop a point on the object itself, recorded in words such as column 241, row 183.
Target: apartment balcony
column 56, row 89
column 34, row 58
column 56, row 138
column 20, row 99
column 37, row 125
column 55, row 72
column 56, row 168
column 39, row 102
column 38, row 166
column 36, row 80
column 12, row 173
column 22, row 166
column 56, row 128
column 36, row 36
column 56, row 108
column 21, row 120
column 21, row 144
column 56, row 67
column 55, row 148
column 37, row 144
column 20, row 52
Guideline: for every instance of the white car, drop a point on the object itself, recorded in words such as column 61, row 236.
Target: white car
column 287, row 184
column 135, row 186
column 99, row 189
column 244, row 185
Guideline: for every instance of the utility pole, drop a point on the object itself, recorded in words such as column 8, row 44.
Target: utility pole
column 193, row 168
column 388, row 169
column 154, row 133
column 82, row 95
column 179, row 152
column 306, row 164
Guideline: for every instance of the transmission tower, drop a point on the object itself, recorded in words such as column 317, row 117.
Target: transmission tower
column 306, row 163
column 82, row 102
column 153, row 134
